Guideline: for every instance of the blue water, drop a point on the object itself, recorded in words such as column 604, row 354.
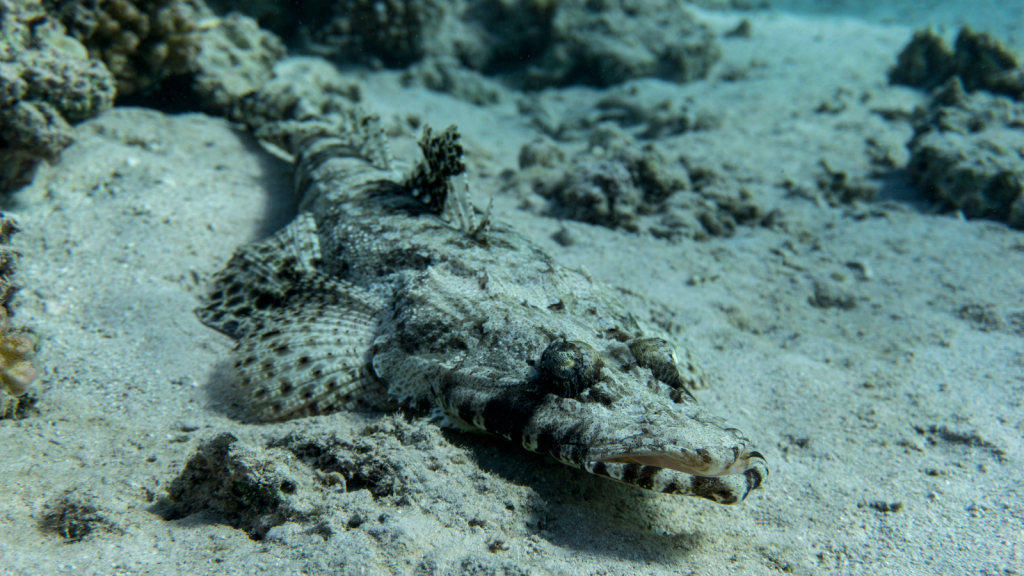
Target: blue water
column 1003, row 18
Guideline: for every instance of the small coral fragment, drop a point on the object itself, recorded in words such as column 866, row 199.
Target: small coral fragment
column 17, row 346
column 16, row 370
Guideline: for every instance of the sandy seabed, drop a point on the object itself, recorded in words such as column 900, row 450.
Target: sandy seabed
column 874, row 352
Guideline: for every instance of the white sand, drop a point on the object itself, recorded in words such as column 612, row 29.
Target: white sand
column 909, row 402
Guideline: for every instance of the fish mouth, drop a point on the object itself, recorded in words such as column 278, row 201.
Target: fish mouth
column 673, row 462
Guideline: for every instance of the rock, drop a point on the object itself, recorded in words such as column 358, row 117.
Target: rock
column 967, row 153
column 925, row 62
column 611, row 41
column 979, row 59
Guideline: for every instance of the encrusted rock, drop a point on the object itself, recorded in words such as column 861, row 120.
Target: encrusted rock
column 606, row 42
column 249, row 486
column 541, row 151
column 925, row 62
column 600, row 192
column 447, row 74
column 979, row 60
column 394, row 32
column 968, row 153
column 534, row 42
column 636, row 188
column 982, row 62
column 299, row 86
column 322, row 479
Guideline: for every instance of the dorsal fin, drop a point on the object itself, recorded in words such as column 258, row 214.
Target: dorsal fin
column 431, row 182
column 321, row 146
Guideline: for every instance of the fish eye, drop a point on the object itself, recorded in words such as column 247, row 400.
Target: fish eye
column 567, row 368
column 660, row 356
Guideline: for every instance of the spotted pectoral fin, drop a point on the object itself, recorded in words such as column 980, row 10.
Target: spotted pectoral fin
column 260, row 276
column 312, row 356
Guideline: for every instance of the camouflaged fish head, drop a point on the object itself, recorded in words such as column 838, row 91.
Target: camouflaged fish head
column 390, row 289
column 620, row 411
column 638, row 428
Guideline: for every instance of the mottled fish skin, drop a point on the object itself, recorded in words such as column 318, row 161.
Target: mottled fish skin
column 379, row 294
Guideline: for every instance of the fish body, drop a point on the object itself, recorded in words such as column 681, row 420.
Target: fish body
column 388, row 289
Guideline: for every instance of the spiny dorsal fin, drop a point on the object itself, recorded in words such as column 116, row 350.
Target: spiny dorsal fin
column 431, row 182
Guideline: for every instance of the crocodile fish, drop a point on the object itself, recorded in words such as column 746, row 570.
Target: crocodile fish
column 389, row 289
